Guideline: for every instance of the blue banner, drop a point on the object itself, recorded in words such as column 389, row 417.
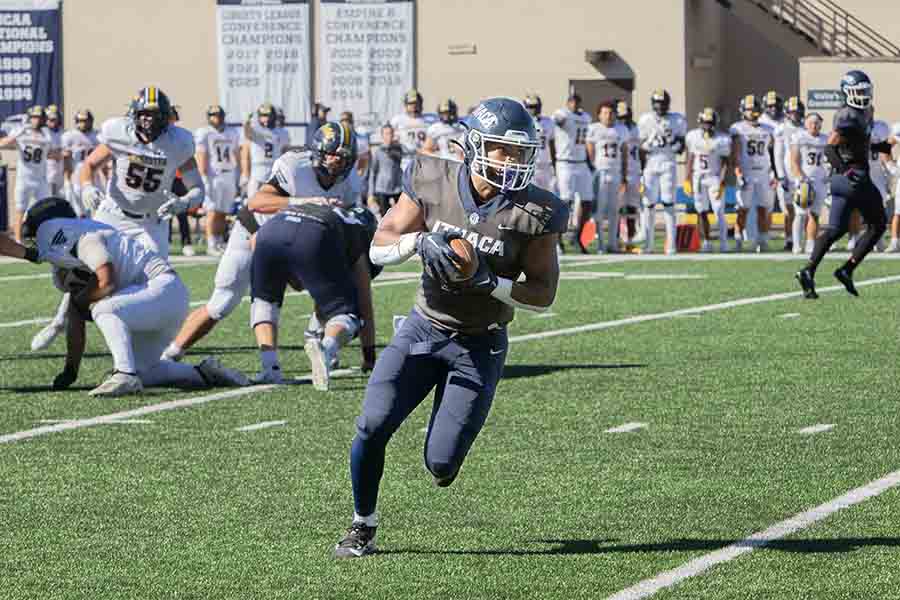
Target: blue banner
column 30, row 55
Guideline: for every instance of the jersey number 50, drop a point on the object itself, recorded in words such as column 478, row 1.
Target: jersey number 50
column 140, row 177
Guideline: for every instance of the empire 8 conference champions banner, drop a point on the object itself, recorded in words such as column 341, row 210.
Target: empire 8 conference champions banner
column 264, row 56
column 30, row 55
column 366, row 57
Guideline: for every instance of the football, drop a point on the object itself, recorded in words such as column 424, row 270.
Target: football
column 467, row 262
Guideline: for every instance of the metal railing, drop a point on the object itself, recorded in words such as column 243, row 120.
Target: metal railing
column 834, row 30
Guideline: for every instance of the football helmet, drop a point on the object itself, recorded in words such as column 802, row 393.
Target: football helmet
column 804, row 196
column 84, row 120
column 214, row 110
column 53, row 113
column 413, row 97
column 38, row 111
column 533, row 104
column 857, row 89
column 448, row 111
column 774, row 104
column 795, row 110
column 660, row 100
column 44, row 210
column 623, row 111
column 708, row 119
column 266, row 110
column 750, row 107
column 334, row 139
column 501, row 122
column 150, row 111
column 279, row 117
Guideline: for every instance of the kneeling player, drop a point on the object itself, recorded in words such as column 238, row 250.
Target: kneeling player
column 454, row 341
column 707, row 159
column 129, row 291
column 322, row 249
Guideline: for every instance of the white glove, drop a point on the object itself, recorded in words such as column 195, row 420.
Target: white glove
column 173, row 206
column 91, row 197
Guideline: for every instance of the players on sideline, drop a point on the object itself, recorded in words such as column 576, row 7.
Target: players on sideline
column 573, row 175
column 708, row 155
column 77, row 145
column 753, row 171
column 218, row 149
column 545, row 163
column 607, row 150
column 411, row 126
column 809, row 171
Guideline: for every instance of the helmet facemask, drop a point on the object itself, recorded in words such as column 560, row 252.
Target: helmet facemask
column 858, row 95
column 506, row 162
column 149, row 123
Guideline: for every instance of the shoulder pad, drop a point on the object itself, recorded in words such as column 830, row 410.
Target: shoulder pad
column 116, row 130
column 546, row 212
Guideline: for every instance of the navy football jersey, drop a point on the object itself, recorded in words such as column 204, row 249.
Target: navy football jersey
column 855, row 126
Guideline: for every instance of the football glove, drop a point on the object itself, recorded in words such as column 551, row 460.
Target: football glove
column 482, row 283
column 91, row 197
column 173, row 206
column 437, row 255
column 65, row 379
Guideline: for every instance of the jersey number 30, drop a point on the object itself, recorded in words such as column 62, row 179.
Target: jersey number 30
column 141, row 177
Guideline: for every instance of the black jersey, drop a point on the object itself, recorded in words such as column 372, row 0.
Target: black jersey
column 350, row 224
column 855, row 126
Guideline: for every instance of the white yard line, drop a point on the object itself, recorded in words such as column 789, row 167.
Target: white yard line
column 626, row 427
column 662, row 276
column 789, row 316
column 798, row 522
column 819, row 428
column 174, row 404
column 38, row 321
column 728, row 256
column 263, row 425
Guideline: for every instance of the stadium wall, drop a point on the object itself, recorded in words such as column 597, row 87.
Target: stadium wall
column 824, row 73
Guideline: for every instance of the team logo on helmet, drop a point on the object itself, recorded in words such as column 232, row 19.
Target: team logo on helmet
column 487, row 119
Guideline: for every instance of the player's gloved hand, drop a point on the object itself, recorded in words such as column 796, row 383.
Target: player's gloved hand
column 173, row 206
column 482, row 283
column 91, row 197
column 437, row 255
column 65, row 379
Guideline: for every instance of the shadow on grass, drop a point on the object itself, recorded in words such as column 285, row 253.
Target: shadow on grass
column 565, row 547
column 520, row 371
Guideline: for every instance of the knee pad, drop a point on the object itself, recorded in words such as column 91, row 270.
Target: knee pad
column 263, row 311
column 222, row 303
column 350, row 325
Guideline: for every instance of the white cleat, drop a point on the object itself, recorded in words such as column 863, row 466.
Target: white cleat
column 706, row 247
column 272, row 375
column 214, row 250
column 316, row 354
column 216, row 374
column 119, row 384
column 188, row 251
column 45, row 336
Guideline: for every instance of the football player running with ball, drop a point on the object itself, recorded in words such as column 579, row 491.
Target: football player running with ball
column 454, row 340
column 848, row 150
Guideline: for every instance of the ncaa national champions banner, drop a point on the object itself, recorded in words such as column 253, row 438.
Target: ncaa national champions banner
column 366, row 57
column 264, row 56
column 30, row 55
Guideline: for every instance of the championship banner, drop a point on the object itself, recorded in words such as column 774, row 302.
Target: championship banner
column 30, row 55
column 366, row 57
column 264, row 56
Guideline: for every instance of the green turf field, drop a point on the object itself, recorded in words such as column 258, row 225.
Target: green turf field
column 549, row 505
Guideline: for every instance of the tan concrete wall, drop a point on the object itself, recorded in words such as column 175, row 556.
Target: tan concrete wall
column 825, row 73
column 705, row 58
column 881, row 15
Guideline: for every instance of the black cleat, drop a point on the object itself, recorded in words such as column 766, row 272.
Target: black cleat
column 359, row 541
column 443, row 482
column 788, row 246
column 808, row 283
column 845, row 277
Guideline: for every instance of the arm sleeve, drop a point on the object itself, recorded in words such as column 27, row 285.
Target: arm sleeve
column 92, row 251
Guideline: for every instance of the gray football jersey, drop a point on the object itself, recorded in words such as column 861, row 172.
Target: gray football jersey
column 499, row 231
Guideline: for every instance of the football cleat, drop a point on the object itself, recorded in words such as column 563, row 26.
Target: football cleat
column 119, row 384
column 216, row 374
column 359, row 541
column 188, row 250
column 272, row 375
column 317, row 361
column 808, row 283
column 45, row 336
column 846, row 278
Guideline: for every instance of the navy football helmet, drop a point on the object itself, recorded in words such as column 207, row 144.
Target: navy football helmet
column 795, row 110
column 857, row 89
column 501, row 122
column 660, row 100
column 750, row 107
column 774, row 104
column 334, row 139
column 448, row 111
column 215, row 110
column 708, row 120
column 533, row 104
column 43, row 211
column 151, row 112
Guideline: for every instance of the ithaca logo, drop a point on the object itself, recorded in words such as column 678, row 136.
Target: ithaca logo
column 482, row 243
column 487, row 119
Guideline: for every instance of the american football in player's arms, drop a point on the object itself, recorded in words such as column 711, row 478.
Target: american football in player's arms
column 466, row 260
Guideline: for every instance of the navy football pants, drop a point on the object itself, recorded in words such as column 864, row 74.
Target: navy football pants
column 463, row 371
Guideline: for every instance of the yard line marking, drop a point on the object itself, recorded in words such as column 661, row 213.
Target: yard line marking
column 662, row 276
column 546, row 315
column 789, row 316
column 626, row 427
column 174, row 404
column 22, row 277
column 38, row 321
column 263, row 425
column 689, row 311
column 819, row 428
column 793, row 524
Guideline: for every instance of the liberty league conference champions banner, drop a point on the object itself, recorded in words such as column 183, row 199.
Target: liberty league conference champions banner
column 366, row 57
column 264, row 56
column 30, row 55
